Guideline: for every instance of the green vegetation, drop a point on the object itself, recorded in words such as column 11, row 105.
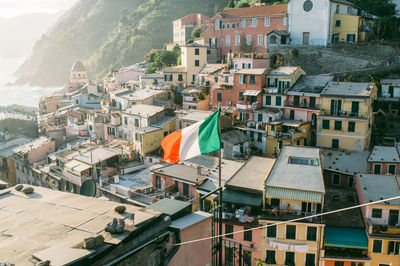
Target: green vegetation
column 198, row 32
column 159, row 59
column 387, row 26
column 107, row 34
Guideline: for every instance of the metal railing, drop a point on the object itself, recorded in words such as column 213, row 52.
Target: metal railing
column 344, row 113
column 302, row 105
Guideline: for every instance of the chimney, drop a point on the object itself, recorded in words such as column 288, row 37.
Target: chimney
column 199, row 170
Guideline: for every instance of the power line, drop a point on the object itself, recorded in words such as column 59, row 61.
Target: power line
column 288, row 221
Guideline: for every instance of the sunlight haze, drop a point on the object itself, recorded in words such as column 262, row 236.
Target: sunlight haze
column 12, row 8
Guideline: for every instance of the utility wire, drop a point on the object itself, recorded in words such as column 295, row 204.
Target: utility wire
column 285, row 222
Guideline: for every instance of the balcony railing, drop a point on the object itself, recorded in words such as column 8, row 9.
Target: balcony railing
column 379, row 229
column 302, row 105
column 247, row 106
column 343, row 113
column 287, row 136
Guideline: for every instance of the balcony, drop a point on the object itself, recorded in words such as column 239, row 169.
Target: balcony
column 383, row 230
column 302, row 105
column 345, row 114
column 273, row 89
column 283, row 215
column 287, row 135
column 247, row 106
column 346, row 253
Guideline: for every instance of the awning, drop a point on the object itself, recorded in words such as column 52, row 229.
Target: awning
column 346, row 237
column 241, row 197
column 77, row 166
column 283, row 193
column 251, row 93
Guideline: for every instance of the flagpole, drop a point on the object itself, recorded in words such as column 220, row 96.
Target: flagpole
column 220, row 191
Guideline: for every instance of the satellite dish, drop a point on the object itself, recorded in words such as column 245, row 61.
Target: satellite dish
column 88, row 188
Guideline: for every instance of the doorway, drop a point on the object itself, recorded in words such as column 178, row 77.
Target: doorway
column 306, row 38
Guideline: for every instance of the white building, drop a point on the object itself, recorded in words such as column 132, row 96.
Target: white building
column 390, row 88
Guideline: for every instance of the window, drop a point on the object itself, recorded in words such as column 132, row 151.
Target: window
column 243, row 79
column 290, row 232
column 259, row 137
column 289, row 259
column 325, row 124
column 216, row 79
column 278, row 100
column 197, row 51
column 284, row 21
column 338, row 125
column 303, row 161
column 335, row 144
column 196, row 63
column 241, row 97
column 248, row 236
column 352, row 127
column 218, row 24
column 227, row 25
column 260, row 40
column 267, row 100
column 377, row 246
column 254, row 22
column 338, row 22
column 267, row 22
column 339, row 263
column 392, row 169
column 208, row 51
column 207, row 27
column 247, row 258
column 125, row 120
column 158, row 182
column 228, row 40
column 271, row 231
column 259, row 117
column 393, row 247
column 252, row 80
column 311, row 233
column 219, row 97
column 376, row 213
column 226, row 79
column 377, row 169
column 248, row 39
column 243, row 23
column 351, row 37
column 136, row 122
column 310, row 259
column 185, row 189
column 270, row 257
column 233, row 25
column 228, row 229
column 336, row 179
column 237, row 39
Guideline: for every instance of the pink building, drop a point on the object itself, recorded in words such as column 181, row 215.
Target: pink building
column 181, row 179
column 249, row 60
column 183, row 27
column 245, row 29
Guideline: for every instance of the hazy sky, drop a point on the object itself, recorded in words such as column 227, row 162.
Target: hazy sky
column 11, row 8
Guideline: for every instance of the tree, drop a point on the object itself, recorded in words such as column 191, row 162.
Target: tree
column 242, row 4
column 231, row 4
column 380, row 8
column 197, row 32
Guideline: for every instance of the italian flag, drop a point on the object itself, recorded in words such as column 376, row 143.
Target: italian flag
column 200, row 138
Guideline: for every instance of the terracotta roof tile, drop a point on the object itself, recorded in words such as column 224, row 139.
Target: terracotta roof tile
column 256, row 11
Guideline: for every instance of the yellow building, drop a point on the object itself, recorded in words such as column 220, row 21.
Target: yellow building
column 366, row 23
column 294, row 188
column 381, row 220
column 193, row 59
column 286, row 132
column 346, row 117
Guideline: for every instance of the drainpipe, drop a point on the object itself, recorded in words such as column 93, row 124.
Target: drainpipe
column 177, row 233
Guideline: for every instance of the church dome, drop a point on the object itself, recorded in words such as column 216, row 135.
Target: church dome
column 78, row 67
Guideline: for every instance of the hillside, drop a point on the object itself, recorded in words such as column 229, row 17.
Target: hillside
column 105, row 34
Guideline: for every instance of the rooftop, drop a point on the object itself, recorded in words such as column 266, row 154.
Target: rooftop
column 183, row 173
column 193, row 115
column 394, row 82
column 252, row 175
column 234, row 137
column 173, row 208
column 283, row 71
column 377, row 187
column 33, row 145
column 211, row 68
column 252, row 71
column 140, row 95
column 336, row 198
column 352, row 89
column 384, row 154
column 97, row 155
column 7, row 148
column 152, row 76
column 350, row 162
column 174, row 69
column 191, row 219
column 48, row 221
column 310, row 84
column 143, row 110
column 255, row 11
column 298, row 176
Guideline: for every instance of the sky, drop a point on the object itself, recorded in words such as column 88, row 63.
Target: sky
column 12, row 8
